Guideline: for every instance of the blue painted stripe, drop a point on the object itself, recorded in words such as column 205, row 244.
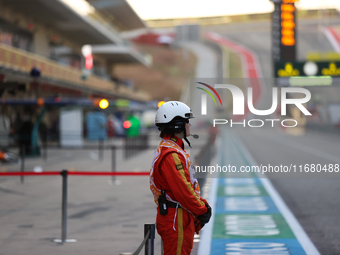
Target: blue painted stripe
column 238, row 181
column 238, row 204
column 259, row 202
column 273, row 246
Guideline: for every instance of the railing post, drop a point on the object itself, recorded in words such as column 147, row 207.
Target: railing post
column 113, row 162
column 23, row 148
column 64, row 174
column 45, row 150
column 101, row 149
column 114, row 166
column 125, row 147
column 152, row 239
column 149, row 245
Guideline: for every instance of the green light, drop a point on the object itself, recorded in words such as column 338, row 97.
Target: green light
column 122, row 103
column 310, row 81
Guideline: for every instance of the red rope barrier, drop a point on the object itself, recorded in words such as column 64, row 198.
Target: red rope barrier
column 77, row 173
column 28, row 173
column 109, row 173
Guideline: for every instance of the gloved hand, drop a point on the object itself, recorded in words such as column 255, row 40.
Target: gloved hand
column 204, row 218
column 198, row 226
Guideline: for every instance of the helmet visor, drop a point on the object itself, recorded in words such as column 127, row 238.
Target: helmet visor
column 189, row 115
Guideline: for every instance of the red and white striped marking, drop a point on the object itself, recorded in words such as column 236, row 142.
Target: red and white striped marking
column 250, row 64
column 334, row 37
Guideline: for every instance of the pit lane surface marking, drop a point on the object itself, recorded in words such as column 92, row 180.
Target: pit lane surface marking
column 333, row 36
column 249, row 216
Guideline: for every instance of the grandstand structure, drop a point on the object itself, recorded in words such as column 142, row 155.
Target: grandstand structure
column 49, row 36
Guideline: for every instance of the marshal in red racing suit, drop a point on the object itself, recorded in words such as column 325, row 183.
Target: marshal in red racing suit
column 173, row 174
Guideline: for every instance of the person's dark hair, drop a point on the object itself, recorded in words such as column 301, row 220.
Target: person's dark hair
column 167, row 132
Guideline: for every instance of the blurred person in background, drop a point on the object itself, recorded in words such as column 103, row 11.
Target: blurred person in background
column 35, row 72
column 180, row 209
column 5, row 130
column 25, row 134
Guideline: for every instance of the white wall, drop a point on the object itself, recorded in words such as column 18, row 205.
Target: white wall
column 71, row 127
column 40, row 43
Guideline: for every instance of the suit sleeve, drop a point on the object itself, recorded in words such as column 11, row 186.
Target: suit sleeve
column 178, row 178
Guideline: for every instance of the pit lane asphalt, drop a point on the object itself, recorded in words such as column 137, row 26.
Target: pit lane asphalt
column 314, row 200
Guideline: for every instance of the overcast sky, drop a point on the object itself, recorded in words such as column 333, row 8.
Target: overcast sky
column 162, row 9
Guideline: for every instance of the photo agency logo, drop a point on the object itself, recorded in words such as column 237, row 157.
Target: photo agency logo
column 204, row 97
column 240, row 102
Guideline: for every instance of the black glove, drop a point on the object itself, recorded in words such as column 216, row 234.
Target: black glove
column 204, row 218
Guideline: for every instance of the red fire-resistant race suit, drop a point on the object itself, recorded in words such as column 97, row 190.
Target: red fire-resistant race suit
column 173, row 172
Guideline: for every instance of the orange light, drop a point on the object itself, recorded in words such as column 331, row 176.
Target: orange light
column 287, row 16
column 288, row 24
column 288, row 41
column 287, row 32
column 287, row 8
column 40, row 101
column 160, row 103
column 126, row 124
column 289, row 1
column 103, row 103
column 96, row 102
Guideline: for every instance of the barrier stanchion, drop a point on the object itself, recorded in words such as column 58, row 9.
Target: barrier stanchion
column 23, row 148
column 125, row 147
column 45, row 151
column 64, row 174
column 100, row 149
column 113, row 165
column 113, row 160
column 149, row 245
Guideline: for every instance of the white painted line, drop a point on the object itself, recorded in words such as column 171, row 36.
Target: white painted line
column 206, row 232
column 293, row 223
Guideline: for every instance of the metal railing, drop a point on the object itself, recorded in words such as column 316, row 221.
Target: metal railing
column 149, row 229
column 204, row 157
column 132, row 146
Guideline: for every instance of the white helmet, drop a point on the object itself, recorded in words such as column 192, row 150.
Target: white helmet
column 170, row 110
